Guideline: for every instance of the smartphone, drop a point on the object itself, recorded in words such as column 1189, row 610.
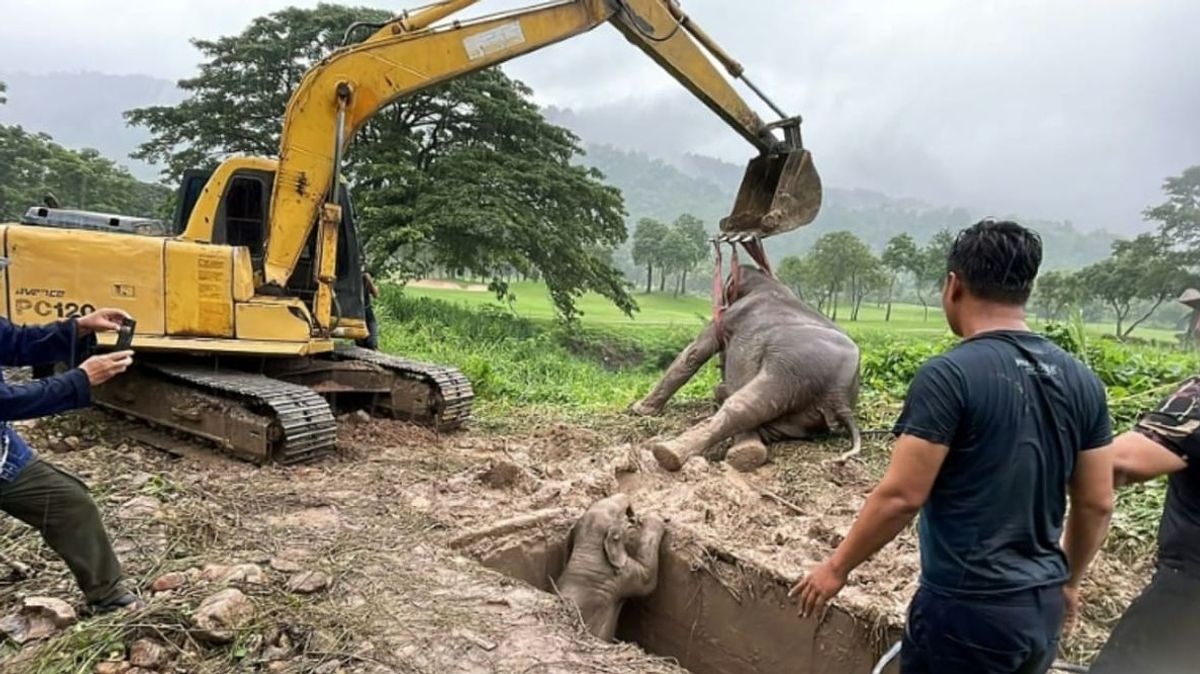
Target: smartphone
column 125, row 334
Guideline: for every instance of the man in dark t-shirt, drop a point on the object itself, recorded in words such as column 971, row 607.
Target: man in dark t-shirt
column 993, row 437
column 1158, row 634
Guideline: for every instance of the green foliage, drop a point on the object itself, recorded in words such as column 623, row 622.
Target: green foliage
column 1179, row 216
column 3, row 88
column 1143, row 269
column 33, row 164
column 466, row 175
column 793, row 273
column 649, row 247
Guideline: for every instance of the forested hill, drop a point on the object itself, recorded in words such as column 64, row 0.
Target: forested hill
column 705, row 187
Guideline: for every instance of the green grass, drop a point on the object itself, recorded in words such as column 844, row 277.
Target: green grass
column 663, row 310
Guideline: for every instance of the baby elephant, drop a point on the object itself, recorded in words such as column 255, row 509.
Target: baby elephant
column 610, row 558
column 787, row 373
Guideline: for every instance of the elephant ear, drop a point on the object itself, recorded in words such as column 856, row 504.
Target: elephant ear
column 614, row 547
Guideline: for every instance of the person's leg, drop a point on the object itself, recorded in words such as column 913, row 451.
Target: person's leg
column 981, row 636
column 915, row 656
column 1158, row 631
column 59, row 507
column 372, row 340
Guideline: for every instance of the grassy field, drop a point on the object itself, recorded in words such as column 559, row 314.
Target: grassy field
column 659, row 310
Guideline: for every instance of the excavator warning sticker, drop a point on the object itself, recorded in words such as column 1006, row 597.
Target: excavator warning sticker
column 491, row 41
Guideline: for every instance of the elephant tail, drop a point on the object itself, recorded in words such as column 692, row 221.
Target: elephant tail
column 845, row 417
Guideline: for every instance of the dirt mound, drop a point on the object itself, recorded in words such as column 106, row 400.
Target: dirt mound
column 395, row 527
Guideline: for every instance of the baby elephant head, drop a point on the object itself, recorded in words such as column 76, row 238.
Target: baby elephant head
column 610, row 557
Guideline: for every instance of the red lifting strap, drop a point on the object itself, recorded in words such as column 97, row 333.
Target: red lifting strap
column 720, row 298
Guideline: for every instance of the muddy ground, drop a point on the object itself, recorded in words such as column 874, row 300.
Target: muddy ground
column 398, row 519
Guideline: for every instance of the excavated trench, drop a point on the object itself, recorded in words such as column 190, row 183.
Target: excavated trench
column 715, row 614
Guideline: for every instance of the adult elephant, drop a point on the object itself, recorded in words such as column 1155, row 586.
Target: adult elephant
column 787, row 373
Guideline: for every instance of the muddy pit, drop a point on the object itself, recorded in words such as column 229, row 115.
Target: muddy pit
column 714, row 613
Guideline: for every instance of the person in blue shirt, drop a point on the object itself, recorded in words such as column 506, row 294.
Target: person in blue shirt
column 995, row 434
column 37, row 492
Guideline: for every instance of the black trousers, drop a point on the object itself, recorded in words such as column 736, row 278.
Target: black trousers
column 1159, row 633
column 1015, row 633
column 372, row 340
column 58, row 505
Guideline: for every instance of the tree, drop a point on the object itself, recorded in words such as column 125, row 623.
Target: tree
column 1056, row 291
column 649, row 238
column 898, row 257
column 929, row 267
column 793, row 273
column 867, row 275
column 1179, row 216
column 1142, row 269
column 464, row 175
column 33, row 164
column 838, row 260
column 690, row 246
column 3, row 88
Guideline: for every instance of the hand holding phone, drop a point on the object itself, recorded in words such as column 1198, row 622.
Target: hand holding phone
column 125, row 334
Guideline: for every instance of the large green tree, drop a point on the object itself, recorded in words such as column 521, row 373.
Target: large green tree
column 464, row 175
column 1179, row 215
column 32, row 164
column 1142, row 272
column 929, row 268
column 793, row 273
column 840, row 261
column 687, row 246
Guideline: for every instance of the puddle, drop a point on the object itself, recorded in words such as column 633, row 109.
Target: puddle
column 696, row 619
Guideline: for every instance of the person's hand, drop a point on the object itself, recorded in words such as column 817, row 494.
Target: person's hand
column 817, row 588
column 101, row 320
column 100, row 369
column 1072, row 604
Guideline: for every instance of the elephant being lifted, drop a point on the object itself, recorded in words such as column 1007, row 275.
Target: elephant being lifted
column 787, row 373
column 610, row 558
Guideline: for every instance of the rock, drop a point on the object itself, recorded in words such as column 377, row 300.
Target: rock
column 308, row 582
column 220, row 616
column 58, row 444
column 361, row 417
column 169, row 581
column 148, row 653
column 238, row 573
column 38, row 617
column 140, row 480
column 72, row 442
column 502, row 474
column 112, row 668
column 140, row 507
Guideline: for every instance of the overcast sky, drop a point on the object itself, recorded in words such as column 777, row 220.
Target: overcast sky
column 1065, row 109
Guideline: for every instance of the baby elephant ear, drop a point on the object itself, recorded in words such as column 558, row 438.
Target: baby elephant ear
column 614, row 547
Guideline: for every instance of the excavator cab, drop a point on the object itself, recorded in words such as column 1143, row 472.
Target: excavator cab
column 780, row 190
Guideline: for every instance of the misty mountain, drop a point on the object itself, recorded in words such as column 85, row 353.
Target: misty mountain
column 81, row 110
column 85, row 109
column 706, row 187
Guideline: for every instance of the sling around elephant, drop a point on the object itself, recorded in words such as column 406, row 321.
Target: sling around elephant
column 787, row 373
column 610, row 558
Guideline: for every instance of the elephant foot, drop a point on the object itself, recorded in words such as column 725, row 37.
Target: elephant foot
column 641, row 409
column 746, row 456
column 669, row 456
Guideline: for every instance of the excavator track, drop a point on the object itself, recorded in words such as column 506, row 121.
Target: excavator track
column 251, row 416
column 447, row 404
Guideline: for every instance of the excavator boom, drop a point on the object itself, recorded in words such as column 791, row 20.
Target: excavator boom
column 337, row 96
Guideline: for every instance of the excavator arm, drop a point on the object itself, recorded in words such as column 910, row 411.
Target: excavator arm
column 341, row 93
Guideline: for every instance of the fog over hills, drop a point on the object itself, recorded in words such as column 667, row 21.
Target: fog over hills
column 652, row 156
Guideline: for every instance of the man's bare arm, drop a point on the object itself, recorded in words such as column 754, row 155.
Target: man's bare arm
column 1137, row 458
column 1091, row 491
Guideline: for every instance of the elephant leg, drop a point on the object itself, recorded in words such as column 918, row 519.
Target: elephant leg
column 684, row 367
column 747, row 453
column 744, row 411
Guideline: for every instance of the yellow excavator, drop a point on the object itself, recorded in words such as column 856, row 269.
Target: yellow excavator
column 243, row 318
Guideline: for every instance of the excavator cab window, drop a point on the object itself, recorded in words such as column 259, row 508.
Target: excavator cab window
column 245, row 215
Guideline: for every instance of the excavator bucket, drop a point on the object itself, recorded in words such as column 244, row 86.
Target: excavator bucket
column 779, row 193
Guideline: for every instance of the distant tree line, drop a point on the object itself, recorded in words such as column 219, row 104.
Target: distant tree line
column 1128, row 287
column 32, row 164
column 675, row 249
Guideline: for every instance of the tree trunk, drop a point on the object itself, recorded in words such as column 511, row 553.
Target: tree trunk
column 683, row 282
column 835, row 305
column 662, row 279
column 891, row 289
column 1138, row 322
column 649, row 278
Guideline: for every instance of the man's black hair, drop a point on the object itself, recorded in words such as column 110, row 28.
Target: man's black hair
column 997, row 260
